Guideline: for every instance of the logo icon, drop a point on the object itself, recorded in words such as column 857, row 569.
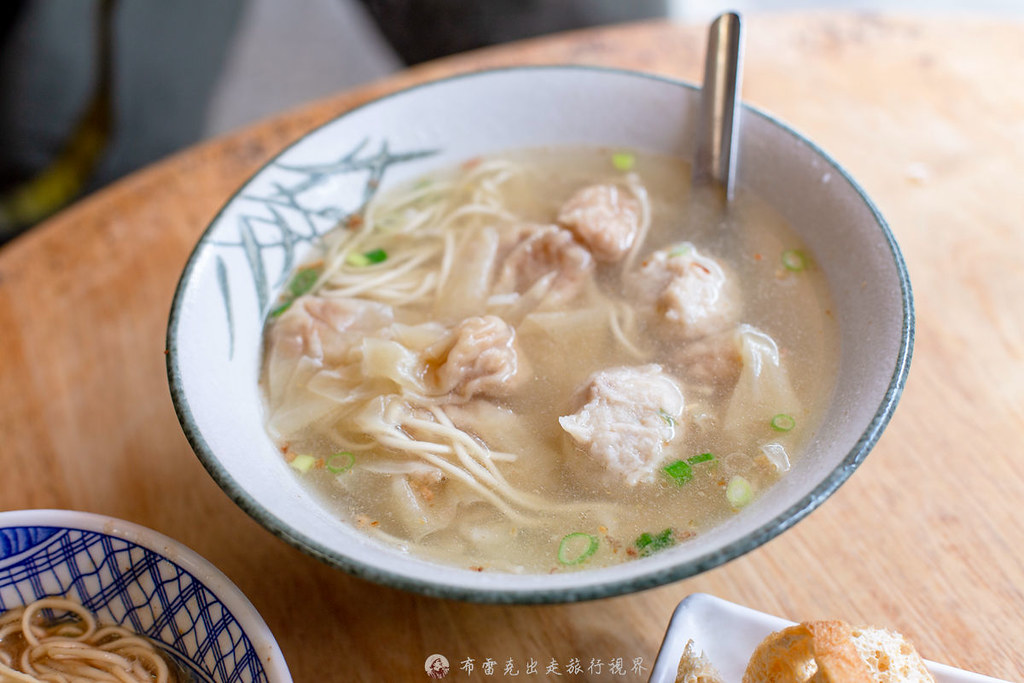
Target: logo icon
column 436, row 666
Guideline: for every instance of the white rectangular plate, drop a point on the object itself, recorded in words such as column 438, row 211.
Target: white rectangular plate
column 728, row 634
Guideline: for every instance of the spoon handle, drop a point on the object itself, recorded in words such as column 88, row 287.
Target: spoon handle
column 718, row 126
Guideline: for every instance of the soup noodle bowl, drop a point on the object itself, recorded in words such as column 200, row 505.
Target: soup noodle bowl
column 245, row 259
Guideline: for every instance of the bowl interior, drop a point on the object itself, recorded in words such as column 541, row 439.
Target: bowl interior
column 214, row 336
column 170, row 595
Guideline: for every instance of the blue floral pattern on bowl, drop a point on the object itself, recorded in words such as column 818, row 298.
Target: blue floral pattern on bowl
column 292, row 212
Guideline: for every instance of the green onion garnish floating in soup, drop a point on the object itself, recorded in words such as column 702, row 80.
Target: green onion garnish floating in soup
column 303, row 281
column 681, row 250
column 647, row 544
column 739, row 492
column 794, row 260
column 300, row 284
column 623, row 161
column 702, row 457
column 576, row 547
column 281, row 309
column 783, row 422
column 303, row 463
column 681, row 471
column 367, row 258
column 340, row 462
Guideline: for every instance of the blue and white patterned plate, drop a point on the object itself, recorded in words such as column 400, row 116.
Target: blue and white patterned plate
column 132, row 576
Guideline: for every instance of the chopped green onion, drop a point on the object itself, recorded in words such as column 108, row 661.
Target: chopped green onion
column 303, row 463
column 739, row 492
column 576, row 547
column 669, row 420
column 680, row 471
column 647, row 544
column 783, row 422
column 794, row 260
column 303, row 281
column 702, row 457
column 340, row 462
column 366, row 258
column 623, row 161
column 281, row 309
column 681, row 250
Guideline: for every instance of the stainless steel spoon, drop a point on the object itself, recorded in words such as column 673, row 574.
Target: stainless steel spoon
column 718, row 124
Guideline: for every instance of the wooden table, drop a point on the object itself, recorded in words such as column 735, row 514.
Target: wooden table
column 927, row 537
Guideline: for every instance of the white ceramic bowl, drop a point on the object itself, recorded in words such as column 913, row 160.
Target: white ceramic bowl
column 243, row 258
column 132, row 576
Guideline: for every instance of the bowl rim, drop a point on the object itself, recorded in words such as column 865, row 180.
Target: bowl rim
column 493, row 594
column 177, row 553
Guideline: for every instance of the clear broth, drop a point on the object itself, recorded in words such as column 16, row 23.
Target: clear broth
column 563, row 348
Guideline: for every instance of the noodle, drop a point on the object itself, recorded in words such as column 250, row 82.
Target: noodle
column 74, row 651
column 638, row 191
column 620, row 336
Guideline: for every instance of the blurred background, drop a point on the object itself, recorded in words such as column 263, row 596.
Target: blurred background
column 93, row 89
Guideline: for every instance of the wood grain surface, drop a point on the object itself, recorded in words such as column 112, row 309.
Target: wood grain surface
column 927, row 537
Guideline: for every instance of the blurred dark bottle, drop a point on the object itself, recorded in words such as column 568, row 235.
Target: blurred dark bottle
column 31, row 191
column 93, row 89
